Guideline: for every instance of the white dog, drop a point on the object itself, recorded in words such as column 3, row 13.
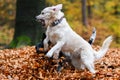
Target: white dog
column 66, row 40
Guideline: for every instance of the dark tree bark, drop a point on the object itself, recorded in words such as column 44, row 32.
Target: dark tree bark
column 84, row 17
column 89, row 9
column 116, row 9
column 27, row 30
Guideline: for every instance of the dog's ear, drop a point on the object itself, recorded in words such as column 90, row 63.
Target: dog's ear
column 57, row 7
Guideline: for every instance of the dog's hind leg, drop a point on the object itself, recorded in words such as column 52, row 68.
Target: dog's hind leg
column 88, row 62
column 90, row 66
column 60, row 63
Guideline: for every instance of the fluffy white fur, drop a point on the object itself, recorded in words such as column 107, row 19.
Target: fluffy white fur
column 66, row 40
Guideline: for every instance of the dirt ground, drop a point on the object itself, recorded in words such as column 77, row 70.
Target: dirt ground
column 25, row 64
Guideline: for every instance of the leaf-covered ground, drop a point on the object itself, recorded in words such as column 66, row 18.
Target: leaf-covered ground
column 26, row 64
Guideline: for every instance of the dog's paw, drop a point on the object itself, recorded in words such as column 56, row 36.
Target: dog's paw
column 93, row 71
column 46, row 47
column 55, row 56
column 82, row 66
column 48, row 55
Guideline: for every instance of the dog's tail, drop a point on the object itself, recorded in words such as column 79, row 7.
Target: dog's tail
column 104, row 48
column 93, row 36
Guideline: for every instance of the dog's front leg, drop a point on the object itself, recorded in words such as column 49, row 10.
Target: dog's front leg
column 46, row 40
column 58, row 46
column 57, row 53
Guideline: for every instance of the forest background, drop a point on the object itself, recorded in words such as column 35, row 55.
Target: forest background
column 104, row 15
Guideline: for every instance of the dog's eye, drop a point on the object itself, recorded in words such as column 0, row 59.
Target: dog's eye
column 42, row 13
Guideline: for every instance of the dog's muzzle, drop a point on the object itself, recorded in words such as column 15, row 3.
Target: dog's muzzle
column 41, row 21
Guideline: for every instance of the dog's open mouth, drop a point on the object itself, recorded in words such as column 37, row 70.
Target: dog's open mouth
column 41, row 21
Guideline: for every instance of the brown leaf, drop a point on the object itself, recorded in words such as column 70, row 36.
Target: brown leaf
column 24, row 63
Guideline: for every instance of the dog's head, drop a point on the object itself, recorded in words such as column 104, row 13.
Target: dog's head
column 49, row 14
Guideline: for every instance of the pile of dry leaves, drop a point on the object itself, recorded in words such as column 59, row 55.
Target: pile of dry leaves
column 26, row 64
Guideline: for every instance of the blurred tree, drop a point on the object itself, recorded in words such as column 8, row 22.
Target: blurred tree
column 89, row 8
column 105, row 14
column 27, row 30
column 116, row 8
column 84, row 17
column 7, row 12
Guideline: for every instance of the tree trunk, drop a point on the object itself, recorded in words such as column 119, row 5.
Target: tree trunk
column 116, row 9
column 84, row 17
column 89, row 9
column 27, row 30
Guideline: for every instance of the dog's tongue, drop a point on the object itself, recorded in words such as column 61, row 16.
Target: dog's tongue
column 42, row 22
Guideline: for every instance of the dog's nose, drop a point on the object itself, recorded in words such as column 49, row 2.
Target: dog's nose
column 36, row 17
